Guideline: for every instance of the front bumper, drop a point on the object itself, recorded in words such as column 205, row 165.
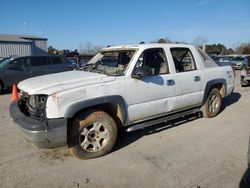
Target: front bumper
column 51, row 133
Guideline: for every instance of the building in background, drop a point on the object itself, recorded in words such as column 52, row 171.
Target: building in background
column 21, row 45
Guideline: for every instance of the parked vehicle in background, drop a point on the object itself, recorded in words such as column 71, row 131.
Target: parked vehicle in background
column 245, row 74
column 2, row 59
column 72, row 64
column 224, row 59
column 83, row 60
column 137, row 86
column 245, row 181
column 14, row 70
column 238, row 62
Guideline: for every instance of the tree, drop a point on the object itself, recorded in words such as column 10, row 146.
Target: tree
column 199, row 41
column 229, row 51
column 162, row 40
column 88, row 48
column 52, row 50
column 81, row 48
column 246, row 50
column 243, row 48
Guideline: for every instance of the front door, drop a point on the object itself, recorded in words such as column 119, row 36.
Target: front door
column 151, row 95
column 17, row 70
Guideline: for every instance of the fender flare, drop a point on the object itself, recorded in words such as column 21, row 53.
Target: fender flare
column 210, row 85
column 81, row 105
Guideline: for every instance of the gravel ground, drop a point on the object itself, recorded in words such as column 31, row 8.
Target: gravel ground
column 190, row 152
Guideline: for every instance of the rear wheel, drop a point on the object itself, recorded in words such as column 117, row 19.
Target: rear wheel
column 1, row 87
column 212, row 106
column 243, row 83
column 92, row 135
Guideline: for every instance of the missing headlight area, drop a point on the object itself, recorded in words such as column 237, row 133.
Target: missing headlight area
column 33, row 105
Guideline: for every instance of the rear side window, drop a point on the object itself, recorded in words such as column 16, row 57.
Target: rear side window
column 39, row 61
column 183, row 59
column 56, row 60
column 208, row 62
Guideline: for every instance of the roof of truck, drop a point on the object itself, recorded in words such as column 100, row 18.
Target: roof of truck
column 151, row 45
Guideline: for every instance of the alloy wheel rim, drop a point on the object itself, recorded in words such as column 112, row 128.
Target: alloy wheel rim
column 94, row 137
column 214, row 103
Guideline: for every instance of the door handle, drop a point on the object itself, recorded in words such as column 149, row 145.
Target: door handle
column 197, row 78
column 170, row 82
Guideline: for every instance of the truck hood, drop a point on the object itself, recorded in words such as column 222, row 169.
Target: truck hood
column 53, row 83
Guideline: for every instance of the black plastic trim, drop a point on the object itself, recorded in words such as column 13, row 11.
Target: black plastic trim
column 78, row 106
column 210, row 85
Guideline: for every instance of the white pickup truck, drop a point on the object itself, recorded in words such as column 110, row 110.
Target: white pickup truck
column 129, row 87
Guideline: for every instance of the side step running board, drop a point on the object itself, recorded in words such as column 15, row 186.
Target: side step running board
column 161, row 120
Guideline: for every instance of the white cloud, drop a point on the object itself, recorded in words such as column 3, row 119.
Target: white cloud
column 200, row 3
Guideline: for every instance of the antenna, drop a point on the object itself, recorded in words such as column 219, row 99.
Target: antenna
column 24, row 28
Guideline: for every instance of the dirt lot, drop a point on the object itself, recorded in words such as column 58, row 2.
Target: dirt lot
column 197, row 152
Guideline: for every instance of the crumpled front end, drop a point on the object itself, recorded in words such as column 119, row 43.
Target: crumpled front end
column 29, row 117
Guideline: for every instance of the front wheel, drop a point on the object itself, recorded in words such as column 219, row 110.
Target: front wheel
column 212, row 106
column 92, row 135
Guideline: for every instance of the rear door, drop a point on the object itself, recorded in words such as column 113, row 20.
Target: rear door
column 188, row 77
column 39, row 65
column 58, row 64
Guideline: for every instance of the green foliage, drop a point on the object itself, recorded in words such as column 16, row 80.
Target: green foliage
column 219, row 49
column 246, row 50
column 243, row 48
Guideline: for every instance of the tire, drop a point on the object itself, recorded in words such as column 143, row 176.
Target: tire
column 92, row 135
column 212, row 106
column 1, row 87
column 243, row 83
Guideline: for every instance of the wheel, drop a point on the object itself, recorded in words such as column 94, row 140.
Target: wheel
column 92, row 135
column 243, row 83
column 1, row 87
column 212, row 106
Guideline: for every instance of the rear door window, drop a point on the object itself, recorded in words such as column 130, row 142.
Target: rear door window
column 183, row 59
column 39, row 61
column 56, row 60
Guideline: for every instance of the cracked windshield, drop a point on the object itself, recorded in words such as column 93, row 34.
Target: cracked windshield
column 111, row 63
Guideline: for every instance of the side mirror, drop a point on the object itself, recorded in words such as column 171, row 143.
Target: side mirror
column 142, row 71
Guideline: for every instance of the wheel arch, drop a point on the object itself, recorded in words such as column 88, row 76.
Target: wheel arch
column 113, row 105
column 220, row 84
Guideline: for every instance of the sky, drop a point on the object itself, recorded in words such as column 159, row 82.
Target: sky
column 70, row 24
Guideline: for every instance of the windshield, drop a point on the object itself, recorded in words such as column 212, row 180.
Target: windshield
column 5, row 62
column 111, row 63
